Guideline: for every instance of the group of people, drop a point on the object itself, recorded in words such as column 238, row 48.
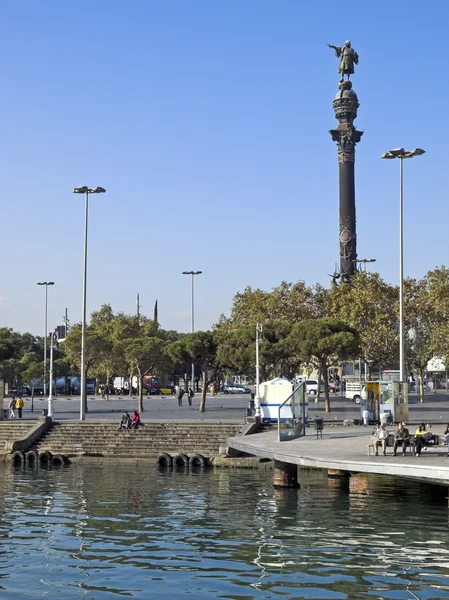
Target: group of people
column 402, row 438
column 180, row 394
column 127, row 422
column 15, row 404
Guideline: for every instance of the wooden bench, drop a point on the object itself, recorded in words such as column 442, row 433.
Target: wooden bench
column 436, row 443
column 390, row 444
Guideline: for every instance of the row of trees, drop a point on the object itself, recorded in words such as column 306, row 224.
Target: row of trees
column 303, row 327
column 370, row 305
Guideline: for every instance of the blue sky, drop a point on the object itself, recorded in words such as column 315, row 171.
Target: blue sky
column 207, row 122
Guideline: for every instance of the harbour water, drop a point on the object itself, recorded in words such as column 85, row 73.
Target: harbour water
column 104, row 531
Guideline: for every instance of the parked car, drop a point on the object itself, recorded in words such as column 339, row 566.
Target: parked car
column 312, row 386
column 168, row 390
column 234, row 388
column 334, row 387
column 152, row 391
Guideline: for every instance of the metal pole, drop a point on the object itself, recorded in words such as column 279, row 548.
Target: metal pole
column 138, row 307
column 360, row 376
column 83, row 322
column 50, row 395
column 401, row 275
column 45, row 340
column 193, row 327
column 257, row 398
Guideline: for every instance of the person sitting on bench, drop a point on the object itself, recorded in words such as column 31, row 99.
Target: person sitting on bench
column 382, row 436
column 422, row 437
column 401, row 438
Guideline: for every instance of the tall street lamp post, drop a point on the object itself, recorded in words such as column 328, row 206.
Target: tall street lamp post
column 85, row 190
column 401, row 154
column 50, row 394
column 193, row 273
column 259, row 329
column 46, row 283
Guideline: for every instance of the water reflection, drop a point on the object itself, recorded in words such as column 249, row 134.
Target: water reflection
column 101, row 531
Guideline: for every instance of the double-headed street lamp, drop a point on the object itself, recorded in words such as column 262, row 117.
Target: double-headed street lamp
column 46, row 283
column 193, row 273
column 85, row 190
column 364, row 261
column 401, row 154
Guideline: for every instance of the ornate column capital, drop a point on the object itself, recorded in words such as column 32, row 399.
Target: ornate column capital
column 346, row 136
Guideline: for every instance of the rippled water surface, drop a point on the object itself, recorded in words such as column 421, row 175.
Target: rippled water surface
column 103, row 531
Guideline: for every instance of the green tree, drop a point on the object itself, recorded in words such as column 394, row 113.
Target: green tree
column 147, row 356
column 426, row 319
column 199, row 348
column 289, row 302
column 324, row 340
column 369, row 305
column 98, row 348
column 236, row 350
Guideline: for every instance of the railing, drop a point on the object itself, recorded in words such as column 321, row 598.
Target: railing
column 292, row 415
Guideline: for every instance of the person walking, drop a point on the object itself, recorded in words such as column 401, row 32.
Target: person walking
column 19, row 406
column 179, row 395
column 12, row 408
column 191, row 394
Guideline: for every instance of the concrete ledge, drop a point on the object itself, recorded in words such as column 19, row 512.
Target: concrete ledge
column 247, row 462
column 250, row 428
column 42, row 425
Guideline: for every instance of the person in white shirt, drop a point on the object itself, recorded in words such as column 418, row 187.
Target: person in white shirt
column 382, row 436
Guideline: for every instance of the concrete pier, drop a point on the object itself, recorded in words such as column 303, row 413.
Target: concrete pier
column 285, row 475
column 344, row 449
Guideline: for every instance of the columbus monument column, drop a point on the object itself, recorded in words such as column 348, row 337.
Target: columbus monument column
column 345, row 106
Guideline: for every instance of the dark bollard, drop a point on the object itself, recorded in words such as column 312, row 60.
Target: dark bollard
column 319, row 426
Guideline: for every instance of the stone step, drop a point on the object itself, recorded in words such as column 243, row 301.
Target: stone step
column 100, row 439
column 131, row 438
column 162, row 448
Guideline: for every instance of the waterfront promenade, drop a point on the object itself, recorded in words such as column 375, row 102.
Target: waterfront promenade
column 345, row 448
column 434, row 410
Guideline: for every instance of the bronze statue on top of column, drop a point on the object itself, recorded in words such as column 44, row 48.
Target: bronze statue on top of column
column 348, row 58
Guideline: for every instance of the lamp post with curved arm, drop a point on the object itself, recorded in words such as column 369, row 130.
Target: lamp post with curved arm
column 193, row 273
column 46, row 283
column 401, row 154
column 85, row 190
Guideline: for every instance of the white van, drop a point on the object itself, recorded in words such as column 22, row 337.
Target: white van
column 355, row 392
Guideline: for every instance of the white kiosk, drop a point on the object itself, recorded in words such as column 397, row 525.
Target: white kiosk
column 272, row 394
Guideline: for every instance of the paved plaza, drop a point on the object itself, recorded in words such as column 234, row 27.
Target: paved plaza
column 434, row 410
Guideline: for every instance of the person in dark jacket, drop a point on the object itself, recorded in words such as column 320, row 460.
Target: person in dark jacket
column 401, row 438
column 191, row 394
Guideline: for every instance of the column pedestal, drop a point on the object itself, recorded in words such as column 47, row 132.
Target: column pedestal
column 285, row 475
column 338, row 474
